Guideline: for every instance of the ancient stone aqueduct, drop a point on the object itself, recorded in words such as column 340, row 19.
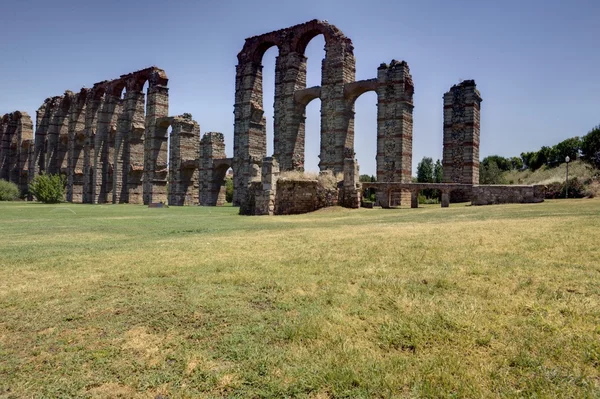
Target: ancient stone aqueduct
column 113, row 147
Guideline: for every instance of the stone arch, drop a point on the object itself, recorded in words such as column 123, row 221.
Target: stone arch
column 352, row 92
column 304, row 33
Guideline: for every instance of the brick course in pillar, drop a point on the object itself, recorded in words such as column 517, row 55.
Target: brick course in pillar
column 155, row 143
column 183, row 161
column 461, row 134
column 97, row 140
column 213, row 168
column 16, row 148
column 290, row 77
column 75, row 143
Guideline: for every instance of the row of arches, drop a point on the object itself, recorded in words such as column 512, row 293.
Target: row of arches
column 337, row 93
column 98, row 138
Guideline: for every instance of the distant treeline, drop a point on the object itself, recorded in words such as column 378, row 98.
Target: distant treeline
column 586, row 148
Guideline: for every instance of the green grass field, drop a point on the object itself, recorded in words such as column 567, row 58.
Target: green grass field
column 197, row 302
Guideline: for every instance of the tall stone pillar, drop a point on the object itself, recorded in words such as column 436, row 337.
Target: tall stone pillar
column 133, row 165
column 93, row 106
column 337, row 115
column 26, row 167
column 104, row 148
column 120, row 159
column 265, row 200
column 2, row 130
column 155, row 144
column 7, row 149
column 183, row 161
column 57, row 118
column 352, row 192
column 42, row 121
column 250, row 132
column 289, row 128
column 23, row 153
column 212, row 178
column 461, row 137
column 76, row 142
column 62, row 150
column 394, row 127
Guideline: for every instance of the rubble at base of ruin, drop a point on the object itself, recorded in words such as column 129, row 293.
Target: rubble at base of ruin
column 110, row 141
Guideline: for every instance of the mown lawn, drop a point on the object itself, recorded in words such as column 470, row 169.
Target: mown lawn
column 198, row 302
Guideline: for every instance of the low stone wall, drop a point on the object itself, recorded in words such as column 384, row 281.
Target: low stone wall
column 507, row 194
column 302, row 196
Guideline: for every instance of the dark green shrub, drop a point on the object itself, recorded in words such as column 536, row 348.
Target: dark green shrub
column 49, row 189
column 8, row 191
column 558, row 190
column 229, row 189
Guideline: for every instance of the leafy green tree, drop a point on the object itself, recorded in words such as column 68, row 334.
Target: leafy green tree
column 367, row 179
column 502, row 163
column 590, row 147
column 569, row 147
column 49, row 189
column 438, row 172
column 490, row 173
column 425, row 170
column 8, row 191
column 229, row 189
column 516, row 163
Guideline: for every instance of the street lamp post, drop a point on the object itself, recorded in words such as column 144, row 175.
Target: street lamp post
column 567, row 160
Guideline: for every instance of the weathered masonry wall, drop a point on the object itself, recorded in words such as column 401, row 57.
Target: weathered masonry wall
column 16, row 148
column 183, row 161
column 460, row 161
column 277, row 195
column 213, row 168
column 338, row 93
column 110, row 142
column 507, row 194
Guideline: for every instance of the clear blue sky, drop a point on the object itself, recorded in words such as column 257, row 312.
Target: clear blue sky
column 536, row 62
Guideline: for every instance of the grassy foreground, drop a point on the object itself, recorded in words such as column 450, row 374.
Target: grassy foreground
column 126, row 301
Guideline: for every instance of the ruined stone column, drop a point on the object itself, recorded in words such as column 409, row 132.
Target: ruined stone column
column 212, row 172
column 120, row 156
column 394, row 126
column 104, row 148
column 414, row 199
column 76, row 141
column 289, row 128
column 57, row 117
column 461, row 137
column 133, row 165
column 155, row 143
column 93, row 105
column 183, row 161
column 22, row 156
column 352, row 192
column 62, row 159
column 265, row 200
column 337, row 115
column 445, row 199
column 42, row 121
column 6, row 145
column 250, row 132
column 26, row 167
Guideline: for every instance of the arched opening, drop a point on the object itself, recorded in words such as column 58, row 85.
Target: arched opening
column 229, row 186
column 312, row 136
column 315, row 54
column 169, row 131
column 268, row 92
column 220, row 184
column 122, row 94
column 145, row 92
column 365, row 134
